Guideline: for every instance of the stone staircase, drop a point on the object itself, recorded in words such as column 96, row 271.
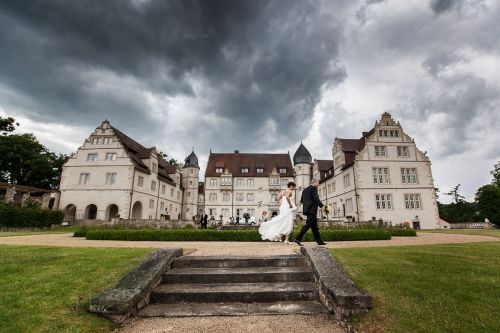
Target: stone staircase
column 234, row 286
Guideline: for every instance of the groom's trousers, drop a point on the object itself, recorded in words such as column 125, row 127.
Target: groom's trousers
column 311, row 222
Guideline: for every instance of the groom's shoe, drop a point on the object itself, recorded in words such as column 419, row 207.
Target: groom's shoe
column 296, row 241
column 322, row 243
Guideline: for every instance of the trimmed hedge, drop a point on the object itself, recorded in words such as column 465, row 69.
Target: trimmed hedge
column 403, row 232
column 225, row 235
column 28, row 217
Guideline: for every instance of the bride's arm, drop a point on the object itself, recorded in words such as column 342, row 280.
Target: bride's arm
column 288, row 196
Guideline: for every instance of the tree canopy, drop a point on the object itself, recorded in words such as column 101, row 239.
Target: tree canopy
column 25, row 161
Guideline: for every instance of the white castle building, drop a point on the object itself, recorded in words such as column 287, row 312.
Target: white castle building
column 381, row 175
column 112, row 175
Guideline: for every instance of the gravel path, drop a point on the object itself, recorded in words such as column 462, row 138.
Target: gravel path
column 244, row 324
column 240, row 248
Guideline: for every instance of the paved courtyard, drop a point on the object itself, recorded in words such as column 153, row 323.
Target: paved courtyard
column 240, row 248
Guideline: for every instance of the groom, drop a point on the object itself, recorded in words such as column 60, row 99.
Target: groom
column 310, row 202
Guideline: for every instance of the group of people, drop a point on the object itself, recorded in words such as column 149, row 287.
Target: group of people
column 281, row 225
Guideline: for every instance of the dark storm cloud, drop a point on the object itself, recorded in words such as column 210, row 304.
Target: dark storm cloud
column 441, row 6
column 261, row 61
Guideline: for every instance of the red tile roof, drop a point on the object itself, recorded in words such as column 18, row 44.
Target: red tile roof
column 233, row 162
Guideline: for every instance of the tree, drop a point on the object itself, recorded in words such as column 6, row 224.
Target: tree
column 488, row 201
column 456, row 196
column 7, row 125
column 496, row 174
column 25, row 161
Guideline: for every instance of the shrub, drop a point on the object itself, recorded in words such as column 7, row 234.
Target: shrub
column 224, row 235
column 28, row 217
column 403, row 232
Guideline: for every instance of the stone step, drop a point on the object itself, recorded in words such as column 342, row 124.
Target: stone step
column 235, row 292
column 231, row 309
column 239, row 261
column 238, row 275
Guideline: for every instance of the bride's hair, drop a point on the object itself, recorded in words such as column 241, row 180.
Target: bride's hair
column 291, row 184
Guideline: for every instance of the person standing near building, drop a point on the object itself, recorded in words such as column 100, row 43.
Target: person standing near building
column 310, row 203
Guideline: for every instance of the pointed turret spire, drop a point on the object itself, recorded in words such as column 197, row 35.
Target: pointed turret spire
column 302, row 155
column 191, row 161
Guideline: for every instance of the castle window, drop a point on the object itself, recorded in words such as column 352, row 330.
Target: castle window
column 282, row 170
column 111, row 178
column 213, row 182
column 274, row 181
column 163, row 188
column 250, row 182
column 413, row 201
column 244, row 170
column 347, row 181
column 84, row 178
column 219, row 170
column 381, row 175
column 383, row 201
column 110, row 156
column 240, row 182
column 140, row 181
column 381, row 151
column 171, row 193
column 260, row 170
column 284, row 182
column 92, row 157
column 239, row 196
column 153, row 186
column 409, row 175
column 250, row 196
column 151, row 204
column 155, row 167
column 225, row 196
column 212, row 197
column 348, row 205
column 403, row 151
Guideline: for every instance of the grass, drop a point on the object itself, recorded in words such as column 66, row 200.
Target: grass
column 48, row 289
column 57, row 230
column 434, row 288
column 481, row 232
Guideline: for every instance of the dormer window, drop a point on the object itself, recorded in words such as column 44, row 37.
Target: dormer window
column 244, row 170
column 282, row 170
column 155, row 167
column 219, row 170
column 260, row 170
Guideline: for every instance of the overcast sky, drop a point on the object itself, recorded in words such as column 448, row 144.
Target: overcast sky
column 259, row 76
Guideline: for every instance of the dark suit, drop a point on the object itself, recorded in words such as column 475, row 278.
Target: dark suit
column 204, row 221
column 310, row 201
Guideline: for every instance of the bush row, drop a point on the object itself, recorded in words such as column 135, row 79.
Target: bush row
column 403, row 232
column 28, row 217
column 225, row 235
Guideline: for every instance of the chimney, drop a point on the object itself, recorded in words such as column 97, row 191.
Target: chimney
column 236, row 152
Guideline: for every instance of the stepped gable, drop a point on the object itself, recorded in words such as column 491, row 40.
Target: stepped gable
column 302, row 155
column 233, row 162
column 137, row 152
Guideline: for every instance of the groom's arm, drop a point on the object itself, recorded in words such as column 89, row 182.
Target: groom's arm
column 316, row 197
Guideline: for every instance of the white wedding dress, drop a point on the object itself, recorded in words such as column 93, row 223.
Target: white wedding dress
column 280, row 225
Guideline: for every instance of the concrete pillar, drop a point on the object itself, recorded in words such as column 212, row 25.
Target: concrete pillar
column 25, row 199
column 9, row 196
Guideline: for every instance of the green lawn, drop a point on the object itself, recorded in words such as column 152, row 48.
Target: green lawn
column 434, row 288
column 58, row 230
column 47, row 289
column 482, row 232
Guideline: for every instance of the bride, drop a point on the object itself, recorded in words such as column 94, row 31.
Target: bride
column 282, row 224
